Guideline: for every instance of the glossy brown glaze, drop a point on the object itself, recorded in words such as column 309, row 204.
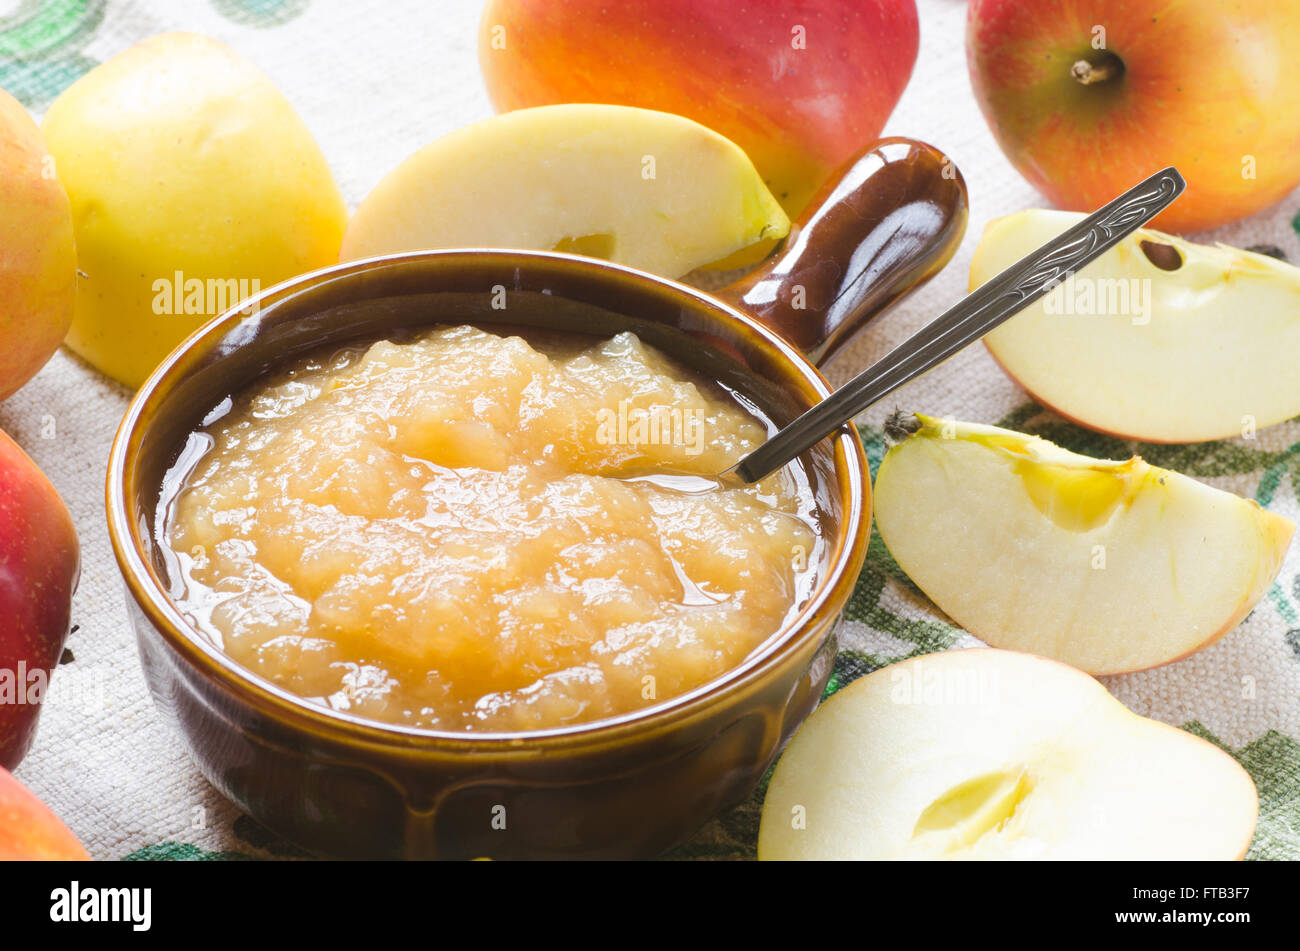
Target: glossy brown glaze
column 628, row 786
column 341, row 785
column 885, row 224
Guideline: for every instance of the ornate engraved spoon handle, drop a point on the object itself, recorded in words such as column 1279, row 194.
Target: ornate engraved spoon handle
column 969, row 319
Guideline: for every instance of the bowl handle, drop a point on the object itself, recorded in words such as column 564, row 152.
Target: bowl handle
column 884, row 224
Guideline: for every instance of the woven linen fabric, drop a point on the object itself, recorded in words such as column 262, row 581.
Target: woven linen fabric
column 376, row 81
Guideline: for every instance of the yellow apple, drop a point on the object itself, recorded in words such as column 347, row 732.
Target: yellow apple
column 38, row 264
column 639, row 187
column 1159, row 339
column 991, row 754
column 193, row 183
column 1107, row 566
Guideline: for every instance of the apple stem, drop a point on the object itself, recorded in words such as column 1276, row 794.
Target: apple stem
column 900, row 425
column 1108, row 66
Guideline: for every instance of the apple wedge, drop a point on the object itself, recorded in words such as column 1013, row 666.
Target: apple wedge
column 1107, row 566
column 644, row 188
column 1159, row 339
column 991, row 754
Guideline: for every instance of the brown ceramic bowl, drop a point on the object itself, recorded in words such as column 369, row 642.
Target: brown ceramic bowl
column 629, row 786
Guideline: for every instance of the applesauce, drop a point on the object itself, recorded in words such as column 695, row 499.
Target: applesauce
column 450, row 531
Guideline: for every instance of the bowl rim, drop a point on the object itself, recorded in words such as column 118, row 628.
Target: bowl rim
column 213, row 664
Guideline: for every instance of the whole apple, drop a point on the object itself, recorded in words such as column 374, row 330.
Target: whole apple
column 38, row 264
column 29, row 831
column 40, row 561
column 801, row 86
column 1086, row 97
column 194, row 185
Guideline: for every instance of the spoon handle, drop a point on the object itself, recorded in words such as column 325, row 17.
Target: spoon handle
column 969, row 319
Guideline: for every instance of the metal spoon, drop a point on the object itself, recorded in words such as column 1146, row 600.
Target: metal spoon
column 966, row 321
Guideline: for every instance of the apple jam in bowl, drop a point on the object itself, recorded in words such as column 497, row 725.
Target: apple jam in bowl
column 449, row 530
column 398, row 580
column 434, row 611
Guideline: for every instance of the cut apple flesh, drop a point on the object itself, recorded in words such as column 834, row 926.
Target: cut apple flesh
column 1158, row 339
column 972, row 809
column 639, row 187
column 1107, row 566
column 1025, row 759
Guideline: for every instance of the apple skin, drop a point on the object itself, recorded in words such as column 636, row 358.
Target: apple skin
column 29, row 831
column 181, row 156
column 38, row 263
column 798, row 113
column 1203, row 85
column 40, row 562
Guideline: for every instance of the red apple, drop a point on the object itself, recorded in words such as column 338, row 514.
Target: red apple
column 1087, row 97
column 801, row 87
column 38, row 264
column 28, row 829
column 39, row 565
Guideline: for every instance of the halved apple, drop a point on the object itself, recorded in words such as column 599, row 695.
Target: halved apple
column 1158, row 339
column 1107, row 566
column 639, row 187
column 991, row 754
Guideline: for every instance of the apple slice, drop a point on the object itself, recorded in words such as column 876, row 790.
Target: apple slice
column 1158, row 339
column 991, row 754
column 1107, row 566
column 639, row 187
